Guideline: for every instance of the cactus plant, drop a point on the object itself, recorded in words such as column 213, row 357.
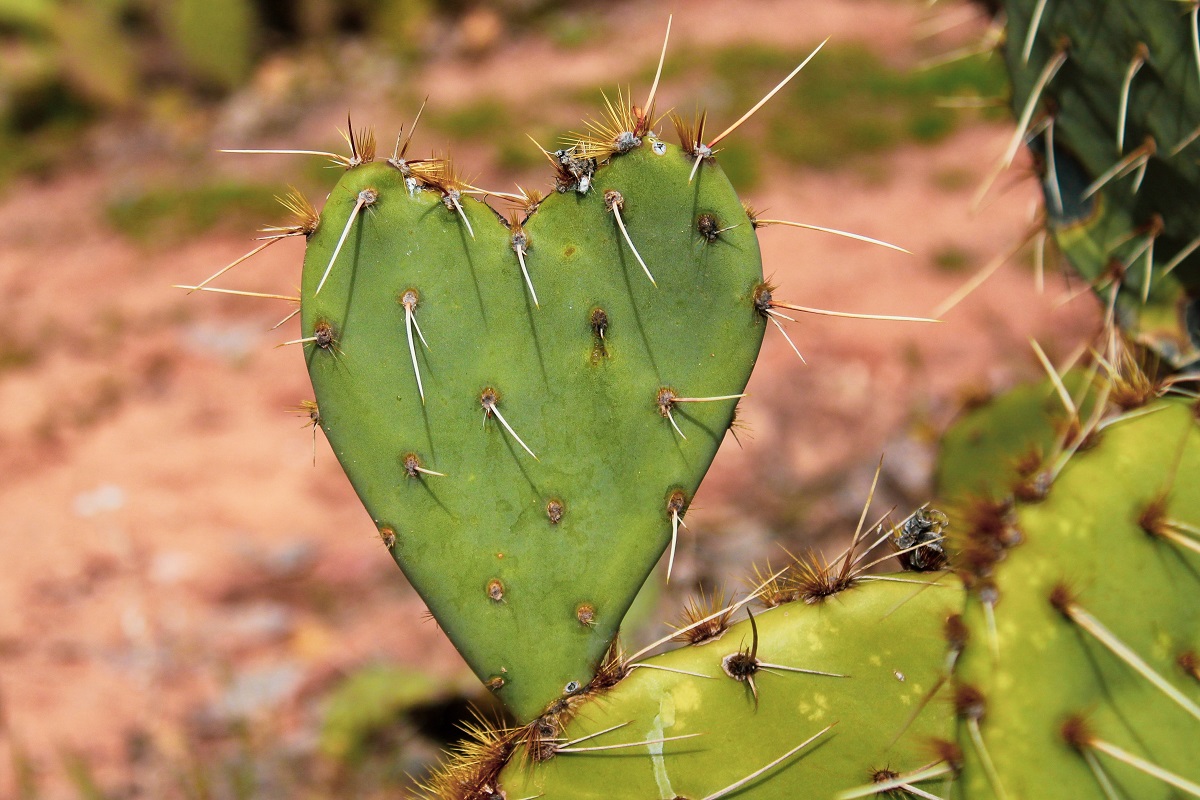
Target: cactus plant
column 548, row 333
column 518, row 404
column 1064, row 684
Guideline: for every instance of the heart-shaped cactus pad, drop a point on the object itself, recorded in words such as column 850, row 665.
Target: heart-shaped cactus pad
column 527, row 462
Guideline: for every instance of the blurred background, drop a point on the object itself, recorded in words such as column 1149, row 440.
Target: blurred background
column 192, row 602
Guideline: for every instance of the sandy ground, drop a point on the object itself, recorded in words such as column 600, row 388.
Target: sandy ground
column 174, row 560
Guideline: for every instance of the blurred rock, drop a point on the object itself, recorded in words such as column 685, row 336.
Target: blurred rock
column 254, row 692
column 289, row 558
column 106, row 497
column 254, row 624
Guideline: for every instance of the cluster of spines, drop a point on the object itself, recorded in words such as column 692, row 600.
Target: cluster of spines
column 472, row 768
column 1118, row 386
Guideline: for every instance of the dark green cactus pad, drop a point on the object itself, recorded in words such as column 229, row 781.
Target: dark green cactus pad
column 529, row 564
column 1131, row 72
column 884, row 636
column 1084, row 627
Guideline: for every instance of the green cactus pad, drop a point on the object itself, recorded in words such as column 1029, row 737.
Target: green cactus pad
column 882, row 635
column 1106, row 546
column 1142, row 57
column 990, row 451
column 529, row 563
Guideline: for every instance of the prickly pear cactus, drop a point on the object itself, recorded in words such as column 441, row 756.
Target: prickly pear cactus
column 527, row 406
column 1108, row 96
column 1079, row 675
column 518, row 405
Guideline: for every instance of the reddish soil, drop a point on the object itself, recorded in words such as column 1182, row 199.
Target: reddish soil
column 168, row 537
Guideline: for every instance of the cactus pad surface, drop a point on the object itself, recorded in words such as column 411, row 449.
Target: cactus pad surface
column 1082, row 612
column 527, row 460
